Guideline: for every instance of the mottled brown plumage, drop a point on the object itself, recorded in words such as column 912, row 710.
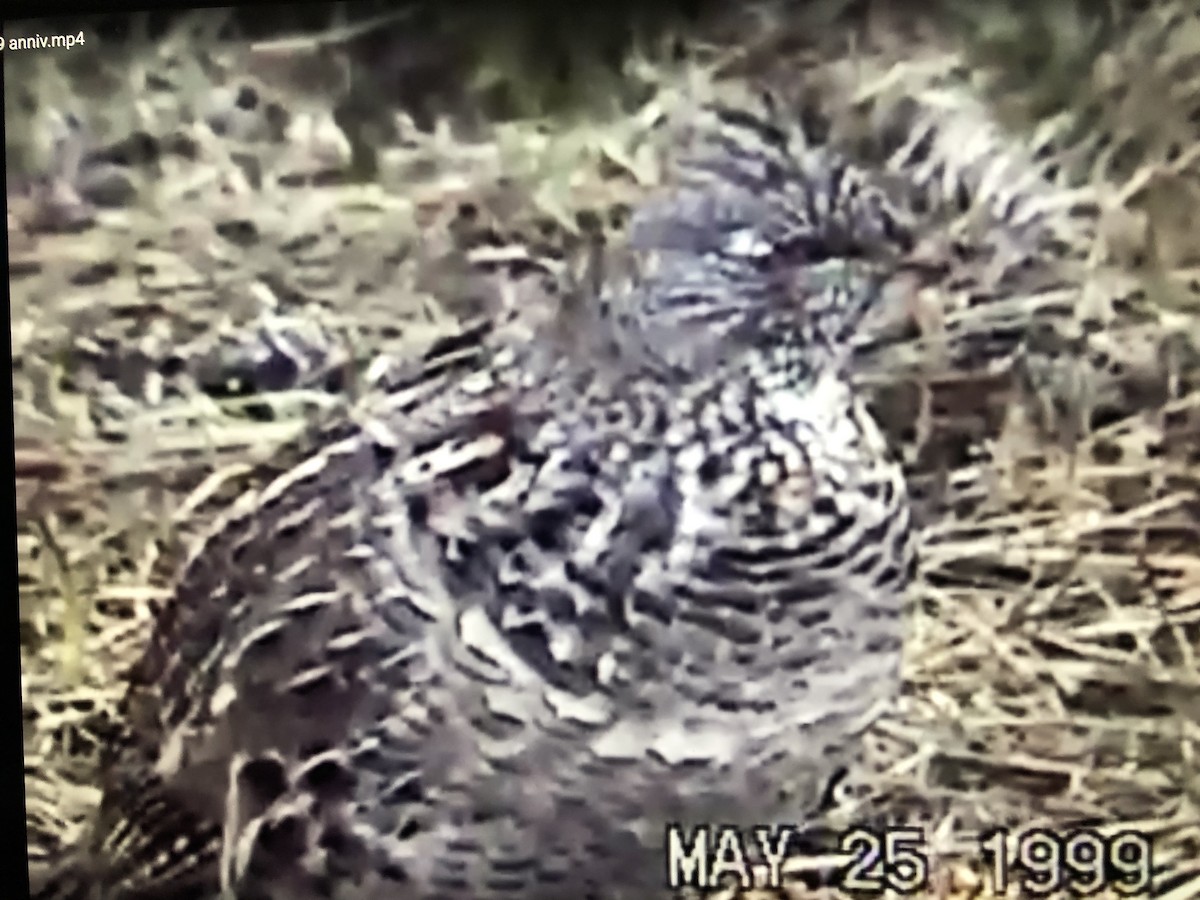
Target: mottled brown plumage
column 538, row 598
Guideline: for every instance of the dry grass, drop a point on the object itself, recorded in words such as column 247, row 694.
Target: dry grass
column 1051, row 423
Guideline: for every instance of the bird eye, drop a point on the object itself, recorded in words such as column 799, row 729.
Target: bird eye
column 747, row 242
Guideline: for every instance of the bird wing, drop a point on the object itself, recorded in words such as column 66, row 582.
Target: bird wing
column 264, row 612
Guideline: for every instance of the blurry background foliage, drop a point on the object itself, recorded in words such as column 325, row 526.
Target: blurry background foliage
column 542, row 58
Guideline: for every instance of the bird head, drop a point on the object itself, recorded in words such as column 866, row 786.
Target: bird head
column 756, row 240
column 710, row 279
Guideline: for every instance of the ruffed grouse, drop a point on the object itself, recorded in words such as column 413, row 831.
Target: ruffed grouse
column 544, row 596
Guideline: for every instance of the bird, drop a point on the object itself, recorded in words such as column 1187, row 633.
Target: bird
column 548, row 591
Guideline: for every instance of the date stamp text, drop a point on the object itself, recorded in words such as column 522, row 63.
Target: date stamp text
column 897, row 860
